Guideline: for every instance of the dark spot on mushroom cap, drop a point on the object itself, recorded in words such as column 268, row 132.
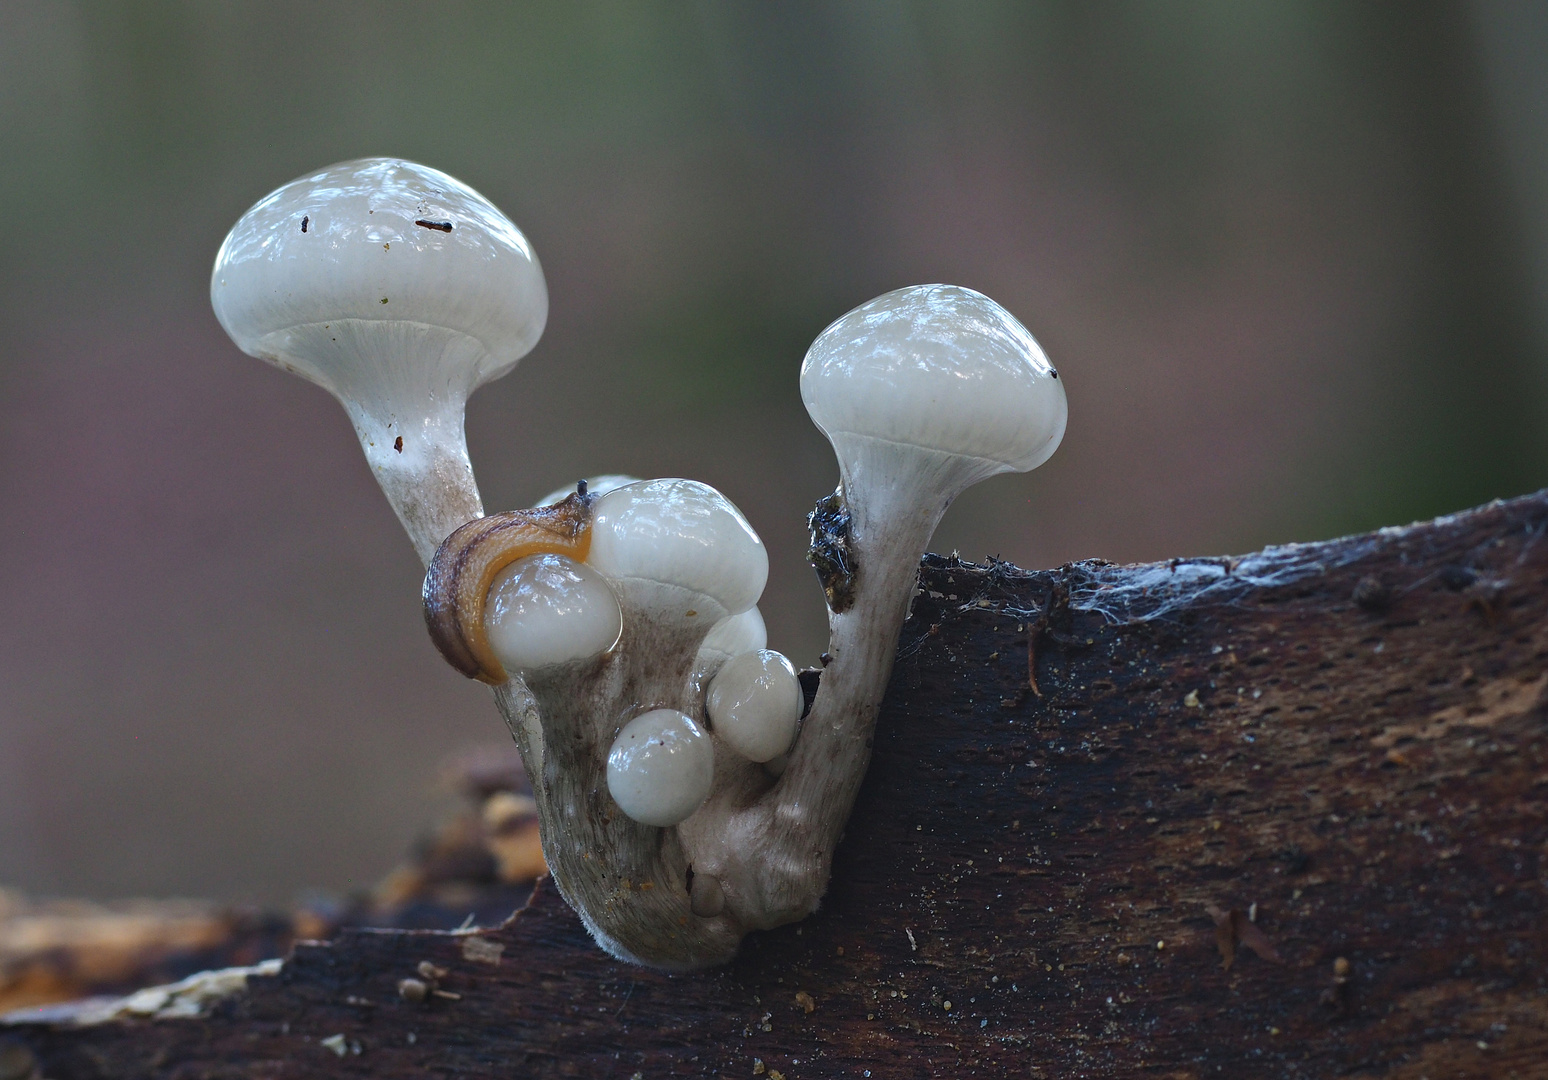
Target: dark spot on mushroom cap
column 304, row 219
column 397, row 444
column 384, row 299
column 439, row 226
column 1054, row 373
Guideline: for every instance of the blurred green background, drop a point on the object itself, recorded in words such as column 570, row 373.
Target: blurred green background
column 1291, row 259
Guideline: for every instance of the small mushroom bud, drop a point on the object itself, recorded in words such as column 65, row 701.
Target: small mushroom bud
column 695, row 551
column 546, row 609
column 731, row 636
column 754, row 704
column 661, row 767
column 400, row 290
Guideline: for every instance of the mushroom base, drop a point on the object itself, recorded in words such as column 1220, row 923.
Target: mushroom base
column 758, row 852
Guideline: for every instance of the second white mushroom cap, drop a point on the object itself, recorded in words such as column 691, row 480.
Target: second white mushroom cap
column 934, row 368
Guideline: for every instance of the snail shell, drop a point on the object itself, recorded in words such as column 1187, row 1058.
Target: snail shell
column 457, row 583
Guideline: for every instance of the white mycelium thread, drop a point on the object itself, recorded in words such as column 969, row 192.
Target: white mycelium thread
column 547, row 609
column 400, row 290
column 754, row 703
column 683, row 534
column 595, row 485
column 660, row 768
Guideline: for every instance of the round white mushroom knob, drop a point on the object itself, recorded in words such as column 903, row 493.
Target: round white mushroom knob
column 400, row 290
column 927, row 390
column 661, row 767
column 736, row 634
column 754, row 703
column 546, row 609
column 684, row 535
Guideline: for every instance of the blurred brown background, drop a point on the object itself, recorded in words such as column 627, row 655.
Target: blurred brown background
column 1290, row 258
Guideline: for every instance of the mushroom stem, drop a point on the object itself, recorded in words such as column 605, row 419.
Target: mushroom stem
column 422, row 466
column 774, row 860
column 829, row 759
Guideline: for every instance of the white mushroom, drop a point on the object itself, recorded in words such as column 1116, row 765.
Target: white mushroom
column 400, row 290
column 754, row 703
column 547, row 609
column 680, row 548
column 660, row 767
column 924, row 392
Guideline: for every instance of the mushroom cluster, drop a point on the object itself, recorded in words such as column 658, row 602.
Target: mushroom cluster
column 684, row 800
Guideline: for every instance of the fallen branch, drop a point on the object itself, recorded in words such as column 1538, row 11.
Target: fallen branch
column 1281, row 815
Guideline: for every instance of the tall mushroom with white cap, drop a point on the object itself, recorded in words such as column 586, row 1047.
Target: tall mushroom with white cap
column 400, row 290
column 923, row 392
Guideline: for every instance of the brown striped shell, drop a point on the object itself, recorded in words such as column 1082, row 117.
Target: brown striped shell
column 457, row 583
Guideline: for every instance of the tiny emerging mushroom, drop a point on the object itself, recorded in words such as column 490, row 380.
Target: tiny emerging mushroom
column 400, row 290
column 547, row 609
column 661, row 767
column 731, row 636
column 754, row 703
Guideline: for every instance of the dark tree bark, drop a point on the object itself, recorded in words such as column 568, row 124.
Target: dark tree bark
column 1281, row 815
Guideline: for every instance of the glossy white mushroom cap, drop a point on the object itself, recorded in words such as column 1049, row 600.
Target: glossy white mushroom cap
column 661, row 767
column 754, row 704
column 400, row 290
column 679, row 533
column 937, row 368
column 378, row 272
column 547, row 609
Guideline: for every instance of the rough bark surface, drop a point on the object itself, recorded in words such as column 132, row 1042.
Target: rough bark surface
column 1277, row 816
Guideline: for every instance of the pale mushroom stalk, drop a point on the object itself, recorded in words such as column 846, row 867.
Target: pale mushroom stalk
column 628, row 881
column 400, row 290
column 788, row 871
column 417, row 449
column 923, row 392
